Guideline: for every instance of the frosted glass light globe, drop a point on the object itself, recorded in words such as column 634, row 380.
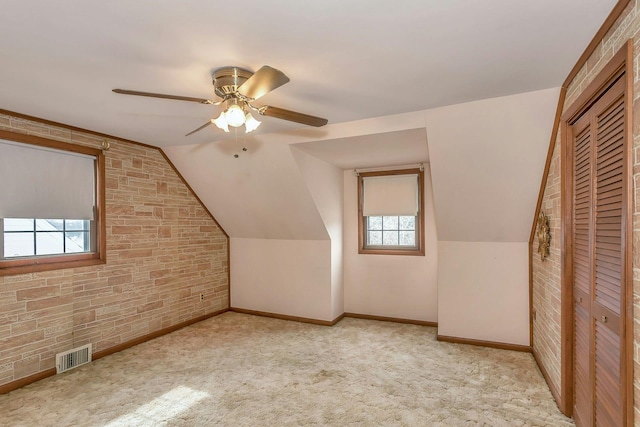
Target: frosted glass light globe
column 221, row 122
column 234, row 116
column 251, row 123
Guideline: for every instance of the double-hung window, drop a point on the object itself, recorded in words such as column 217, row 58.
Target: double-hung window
column 390, row 213
column 51, row 204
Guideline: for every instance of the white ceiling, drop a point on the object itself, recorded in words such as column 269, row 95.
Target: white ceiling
column 370, row 151
column 347, row 60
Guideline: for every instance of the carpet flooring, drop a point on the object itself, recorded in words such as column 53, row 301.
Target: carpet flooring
column 242, row 370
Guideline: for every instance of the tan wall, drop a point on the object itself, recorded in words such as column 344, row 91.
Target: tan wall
column 546, row 276
column 546, row 281
column 163, row 251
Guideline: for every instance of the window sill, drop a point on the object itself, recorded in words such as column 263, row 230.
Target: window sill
column 10, row 268
column 409, row 252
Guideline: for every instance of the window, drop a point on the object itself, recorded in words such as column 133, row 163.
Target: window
column 30, row 237
column 390, row 212
column 391, row 231
column 51, row 204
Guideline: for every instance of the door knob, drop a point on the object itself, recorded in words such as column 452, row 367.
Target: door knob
column 604, row 319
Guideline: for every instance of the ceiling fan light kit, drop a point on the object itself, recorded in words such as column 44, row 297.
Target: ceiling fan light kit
column 236, row 117
column 238, row 88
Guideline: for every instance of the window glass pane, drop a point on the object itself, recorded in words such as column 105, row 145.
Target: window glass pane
column 49, row 237
column 407, row 238
column 374, row 237
column 18, row 224
column 407, row 223
column 49, row 224
column 18, row 244
column 76, row 224
column 390, row 222
column 77, row 241
column 375, row 222
column 49, row 243
column 390, row 237
column 389, row 234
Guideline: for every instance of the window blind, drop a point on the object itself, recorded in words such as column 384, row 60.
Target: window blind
column 390, row 195
column 38, row 182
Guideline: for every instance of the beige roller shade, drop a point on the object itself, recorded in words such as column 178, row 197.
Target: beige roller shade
column 38, row 182
column 390, row 195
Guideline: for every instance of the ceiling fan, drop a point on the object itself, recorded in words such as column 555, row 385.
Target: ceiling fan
column 238, row 88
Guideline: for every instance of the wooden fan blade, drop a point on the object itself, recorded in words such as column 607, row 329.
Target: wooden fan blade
column 200, row 128
column 292, row 116
column 262, row 82
column 161, row 95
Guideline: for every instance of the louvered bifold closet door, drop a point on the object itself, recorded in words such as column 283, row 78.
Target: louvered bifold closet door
column 607, row 292
column 582, row 267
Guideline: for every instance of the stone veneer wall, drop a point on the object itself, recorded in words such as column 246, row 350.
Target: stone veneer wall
column 546, row 275
column 163, row 251
column 546, row 281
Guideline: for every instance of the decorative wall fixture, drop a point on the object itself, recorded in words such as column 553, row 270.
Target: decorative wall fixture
column 544, row 236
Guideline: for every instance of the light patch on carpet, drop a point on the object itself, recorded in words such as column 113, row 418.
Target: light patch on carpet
column 161, row 409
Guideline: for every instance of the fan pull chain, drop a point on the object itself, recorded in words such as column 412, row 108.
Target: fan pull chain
column 244, row 140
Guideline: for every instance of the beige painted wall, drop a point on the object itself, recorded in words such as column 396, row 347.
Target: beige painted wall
column 163, row 251
column 302, row 278
column 487, row 159
column 390, row 285
column 483, row 291
column 290, row 277
column 324, row 181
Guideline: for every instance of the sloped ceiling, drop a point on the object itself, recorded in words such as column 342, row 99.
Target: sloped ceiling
column 370, row 151
column 260, row 194
column 263, row 193
column 347, row 60
column 487, row 159
column 369, row 66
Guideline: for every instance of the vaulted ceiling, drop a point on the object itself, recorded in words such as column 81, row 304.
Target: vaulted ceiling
column 347, row 60
column 383, row 73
